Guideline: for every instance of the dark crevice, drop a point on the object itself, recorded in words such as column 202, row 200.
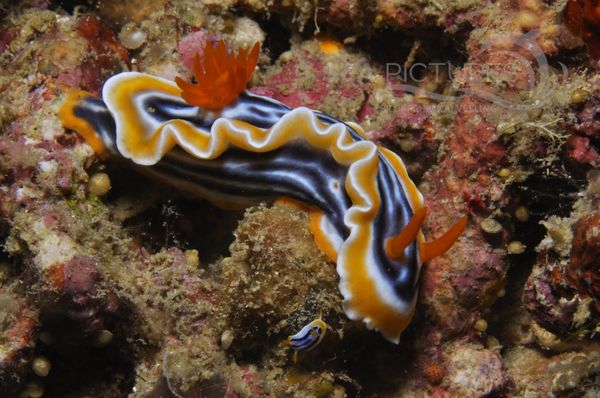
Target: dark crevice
column 277, row 36
column 173, row 219
column 543, row 195
column 69, row 6
column 85, row 370
column 394, row 46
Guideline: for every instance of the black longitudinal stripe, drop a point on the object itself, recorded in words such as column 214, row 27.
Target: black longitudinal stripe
column 260, row 111
column 226, row 185
column 215, row 190
column 304, row 346
column 244, row 173
column 245, row 164
column 305, row 342
column 94, row 111
column 211, row 188
column 303, row 339
column 163, row 109
column 248, row 108
column 295, row 158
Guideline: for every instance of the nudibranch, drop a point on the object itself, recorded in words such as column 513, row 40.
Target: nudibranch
column 217, row 141
column 309, row 337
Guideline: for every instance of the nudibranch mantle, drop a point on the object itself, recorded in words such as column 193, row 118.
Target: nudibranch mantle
column 257, row 149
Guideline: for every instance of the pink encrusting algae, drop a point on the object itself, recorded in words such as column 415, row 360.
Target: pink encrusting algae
column 160, row 294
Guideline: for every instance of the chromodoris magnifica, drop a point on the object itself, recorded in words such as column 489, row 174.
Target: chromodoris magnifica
column 220, row 142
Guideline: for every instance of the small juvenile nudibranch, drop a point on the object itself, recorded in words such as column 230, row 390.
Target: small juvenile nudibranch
column 309, row 337
column 222, row 143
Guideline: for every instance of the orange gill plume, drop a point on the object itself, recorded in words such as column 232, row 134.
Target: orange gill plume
column 395, row 245
column 221, row 76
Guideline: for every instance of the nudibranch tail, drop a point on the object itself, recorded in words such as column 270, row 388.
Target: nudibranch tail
column 220, row 78
column 442, row 244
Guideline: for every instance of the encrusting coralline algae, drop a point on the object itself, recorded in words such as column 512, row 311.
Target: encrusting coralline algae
column 139, row 290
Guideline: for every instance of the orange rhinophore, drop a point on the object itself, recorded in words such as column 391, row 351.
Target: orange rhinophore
column 582, row 18
column 442, row 244
column 221, row 76
column 395, row 246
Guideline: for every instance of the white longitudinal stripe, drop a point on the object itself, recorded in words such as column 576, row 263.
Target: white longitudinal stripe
column 218, row 141
column 95, row 107
column 184, row 112
column 335, row 240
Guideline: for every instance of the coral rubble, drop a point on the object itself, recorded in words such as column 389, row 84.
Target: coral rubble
column 113, row 285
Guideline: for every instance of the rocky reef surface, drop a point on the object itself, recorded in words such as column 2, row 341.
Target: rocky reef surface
column 112, row 285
